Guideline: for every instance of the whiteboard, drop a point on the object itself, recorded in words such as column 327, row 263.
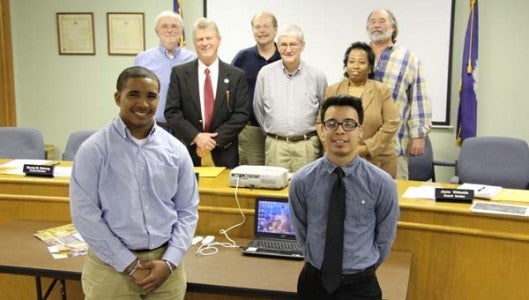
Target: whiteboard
column 330, row 26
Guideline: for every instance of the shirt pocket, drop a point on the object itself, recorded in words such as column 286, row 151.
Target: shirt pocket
column 361, row 211
column 165, row 182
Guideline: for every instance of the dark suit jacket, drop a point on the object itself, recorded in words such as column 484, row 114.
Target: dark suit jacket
column 230, row 112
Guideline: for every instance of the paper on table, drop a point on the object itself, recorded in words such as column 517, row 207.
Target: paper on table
column 209, row 171
column 481, row 190
column 19, row 163
column 420, row 192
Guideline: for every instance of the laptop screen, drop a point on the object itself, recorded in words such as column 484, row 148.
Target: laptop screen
column 272, row 218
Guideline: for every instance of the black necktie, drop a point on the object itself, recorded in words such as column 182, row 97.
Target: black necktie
column 331, row 268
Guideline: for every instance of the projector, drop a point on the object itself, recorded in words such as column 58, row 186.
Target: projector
column 266, row 177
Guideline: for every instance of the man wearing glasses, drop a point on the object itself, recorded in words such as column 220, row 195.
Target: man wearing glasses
column 346, row 223
column 251, row 60
column 287, row 97
column 169, row 29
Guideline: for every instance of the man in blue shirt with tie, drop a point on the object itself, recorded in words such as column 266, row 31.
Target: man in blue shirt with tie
column 134, row 199
column 366, row 222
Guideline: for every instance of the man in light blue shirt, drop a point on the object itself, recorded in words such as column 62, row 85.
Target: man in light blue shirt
column 134, row 199
column 371, row 208
column 161, row 59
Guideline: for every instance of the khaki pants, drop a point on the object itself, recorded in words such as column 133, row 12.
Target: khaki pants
column 101, row 281
column 252, row 146
column 402, row 167
column 290, row 155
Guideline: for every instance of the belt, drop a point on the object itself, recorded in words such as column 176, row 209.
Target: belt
column 147, row 250
column 366, row 272
column 293, row 139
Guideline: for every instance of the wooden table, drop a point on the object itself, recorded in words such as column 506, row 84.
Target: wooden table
column 226, row 274
column 457, row 254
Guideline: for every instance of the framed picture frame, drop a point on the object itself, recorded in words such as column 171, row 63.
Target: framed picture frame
column 75, row 33
column 126, row 33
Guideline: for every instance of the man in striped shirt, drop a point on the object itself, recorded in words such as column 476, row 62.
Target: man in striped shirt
column 401, row 70
column 287, row 97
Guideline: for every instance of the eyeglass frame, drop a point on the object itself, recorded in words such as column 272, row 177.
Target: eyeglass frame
column 343, row 124
column 264, row 27
column 284, row 46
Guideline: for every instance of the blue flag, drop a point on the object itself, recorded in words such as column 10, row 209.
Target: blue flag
column 467, row 113
column 177, row 8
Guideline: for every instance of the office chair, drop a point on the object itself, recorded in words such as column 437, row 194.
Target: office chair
column 74, row 141
column 422, row 168
column 501, row 161
column 21, row 143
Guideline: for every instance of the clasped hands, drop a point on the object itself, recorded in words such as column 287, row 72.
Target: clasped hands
column 149, row 274
column 205, row 142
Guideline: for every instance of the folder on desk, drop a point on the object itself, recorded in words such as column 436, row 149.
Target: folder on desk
column 273, row 230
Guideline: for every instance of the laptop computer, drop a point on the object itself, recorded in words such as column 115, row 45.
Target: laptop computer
column 273, row 230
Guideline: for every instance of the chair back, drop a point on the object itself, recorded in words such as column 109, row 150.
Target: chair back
column 21, row 143
column 74, row 141
column 421, row 168
column 502, row 161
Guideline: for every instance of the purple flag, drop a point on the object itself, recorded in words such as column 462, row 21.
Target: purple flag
column 177, row 8
column 467, row 113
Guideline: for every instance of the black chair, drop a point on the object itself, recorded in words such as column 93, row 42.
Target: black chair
column 74, row 141
column 422, row 168
column 21, row 143
column 501, row 161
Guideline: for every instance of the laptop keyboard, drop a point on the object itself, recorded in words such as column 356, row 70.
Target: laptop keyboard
column 279, row 245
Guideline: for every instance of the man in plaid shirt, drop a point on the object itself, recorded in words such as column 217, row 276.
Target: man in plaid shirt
column 401, row 70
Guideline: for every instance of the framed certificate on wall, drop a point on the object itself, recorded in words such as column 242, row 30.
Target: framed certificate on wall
column 76, row 33
column 126, row 33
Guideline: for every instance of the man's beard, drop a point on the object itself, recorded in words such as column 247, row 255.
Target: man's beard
column 379, row 35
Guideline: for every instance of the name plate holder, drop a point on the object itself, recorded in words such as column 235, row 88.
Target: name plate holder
column 454, row 195
column 38, row 170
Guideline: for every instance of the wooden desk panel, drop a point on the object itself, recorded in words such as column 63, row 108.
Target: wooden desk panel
column 227, row 273
column 457, row 254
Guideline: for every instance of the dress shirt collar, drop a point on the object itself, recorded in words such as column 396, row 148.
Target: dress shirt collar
column 348, row 168
column 213, row 68
column 124, row 132
column 298, row 70
column 163, row 51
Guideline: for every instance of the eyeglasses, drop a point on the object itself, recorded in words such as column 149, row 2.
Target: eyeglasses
column 291, row 45
column 347, row 124
column 265, row 26
column 166, row 26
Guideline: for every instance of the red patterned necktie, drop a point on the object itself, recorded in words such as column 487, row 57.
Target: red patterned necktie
column 209, row 101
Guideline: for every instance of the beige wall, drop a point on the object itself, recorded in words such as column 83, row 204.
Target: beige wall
column 59, row 94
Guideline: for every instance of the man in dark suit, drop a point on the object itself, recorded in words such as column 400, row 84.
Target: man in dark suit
column 208, row 127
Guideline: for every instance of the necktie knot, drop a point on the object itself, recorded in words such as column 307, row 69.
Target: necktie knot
column 206, row 71
column 339, row 172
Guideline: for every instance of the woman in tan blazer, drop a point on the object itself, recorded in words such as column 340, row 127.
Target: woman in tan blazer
column 381, row 115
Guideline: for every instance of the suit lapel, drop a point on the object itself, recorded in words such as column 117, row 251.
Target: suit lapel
column 223, row 84
column 369, row 94
column 191, row 82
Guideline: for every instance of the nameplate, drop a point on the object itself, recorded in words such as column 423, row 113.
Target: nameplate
column 38, row 170
column 454, row 195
